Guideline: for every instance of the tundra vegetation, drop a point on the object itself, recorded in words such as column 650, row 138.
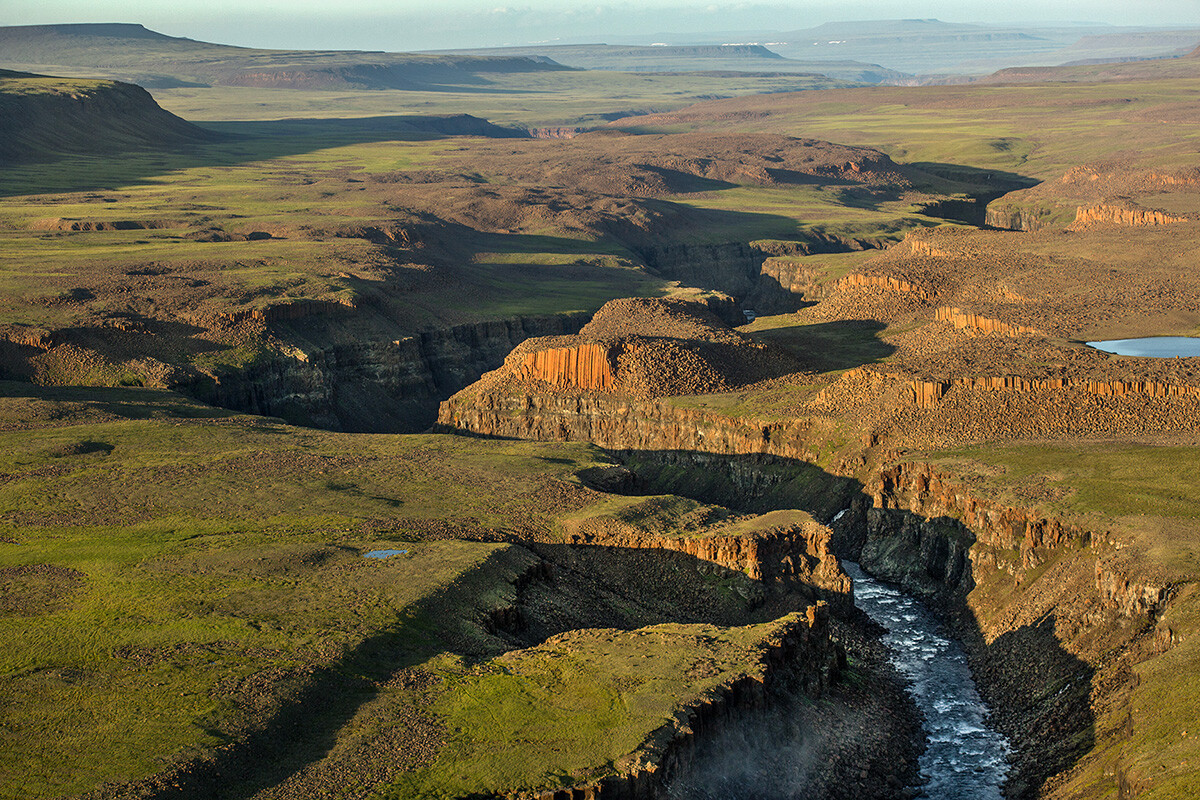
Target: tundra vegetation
column 224, row 341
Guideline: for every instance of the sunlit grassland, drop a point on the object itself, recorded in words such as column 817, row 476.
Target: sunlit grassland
column 205, row 548
column 534, row 99
column 1038, row 130
column 786, row 212
column 578, row 706
column 182, row 556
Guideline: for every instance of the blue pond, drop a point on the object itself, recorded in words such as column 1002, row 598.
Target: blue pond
column 1153, row 347
column 384, row 553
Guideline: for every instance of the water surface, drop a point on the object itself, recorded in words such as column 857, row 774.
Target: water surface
column 384, row 553
column 964, row 757
column 1154, row 346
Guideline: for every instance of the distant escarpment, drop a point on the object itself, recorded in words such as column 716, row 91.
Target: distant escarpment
column 134, row 53
column 40, row 116
column 1094, row 194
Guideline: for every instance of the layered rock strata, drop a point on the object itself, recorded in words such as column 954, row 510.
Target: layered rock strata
column 391, row 386
column 788, row 552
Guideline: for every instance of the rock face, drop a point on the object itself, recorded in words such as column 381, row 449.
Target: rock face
column 587, row 366
column 797, row 554
column 1119, row 215
column 927, row 394
column 970, row 321
column 750, row 271
column 618, row 423
column 378, row 386
column 890, row 282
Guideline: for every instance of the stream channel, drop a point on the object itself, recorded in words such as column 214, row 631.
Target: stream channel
column 964, row 757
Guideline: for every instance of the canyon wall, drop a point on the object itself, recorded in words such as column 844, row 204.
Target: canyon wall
column 1052, row 617
column 756, row 273
column 927, row 394
column 798, row 556
column 1050, row 613
column 388, row 386
column 1121, row 215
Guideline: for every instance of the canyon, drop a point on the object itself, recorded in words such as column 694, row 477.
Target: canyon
column 657, row 373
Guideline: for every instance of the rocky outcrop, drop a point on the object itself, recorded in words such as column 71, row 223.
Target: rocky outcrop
column 559, row 132
column 889, row 282
column 1121, row 215
column 976, row 322
column 59, row 224
column 588, row 367
column 1018, row 218
column 754, row 272
column 927, row 394
column 795, row 554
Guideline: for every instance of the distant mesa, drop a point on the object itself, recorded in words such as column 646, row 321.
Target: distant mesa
column 43, row 116
column 133, row 53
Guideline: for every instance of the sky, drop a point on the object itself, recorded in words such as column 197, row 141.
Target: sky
column 430, row 24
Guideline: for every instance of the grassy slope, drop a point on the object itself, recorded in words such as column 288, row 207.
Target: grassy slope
column 1039, row 130
column 207, row 549
column 577, row 707
column 172, row 575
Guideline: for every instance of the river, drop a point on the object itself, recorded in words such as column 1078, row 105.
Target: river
column 965, row 758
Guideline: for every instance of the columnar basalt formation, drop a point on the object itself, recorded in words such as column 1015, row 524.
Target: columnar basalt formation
column 927, row 394
column 1119, row 215
column 977, row 322
column 890, row 282
column 588, row 367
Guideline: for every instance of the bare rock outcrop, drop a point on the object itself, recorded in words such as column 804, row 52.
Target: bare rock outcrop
column 641, row 348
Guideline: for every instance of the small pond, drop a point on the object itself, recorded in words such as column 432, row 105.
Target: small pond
column 1153, row 347
column 384, row 553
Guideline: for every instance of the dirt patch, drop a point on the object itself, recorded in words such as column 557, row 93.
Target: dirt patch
column 33, row 589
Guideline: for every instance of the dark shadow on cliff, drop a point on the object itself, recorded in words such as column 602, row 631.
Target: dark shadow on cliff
column 1039, row 692
column 569, row 587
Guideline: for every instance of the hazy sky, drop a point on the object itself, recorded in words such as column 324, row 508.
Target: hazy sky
column 427, row 24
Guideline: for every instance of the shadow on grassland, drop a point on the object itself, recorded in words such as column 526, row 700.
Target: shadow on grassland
column 232, row 143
